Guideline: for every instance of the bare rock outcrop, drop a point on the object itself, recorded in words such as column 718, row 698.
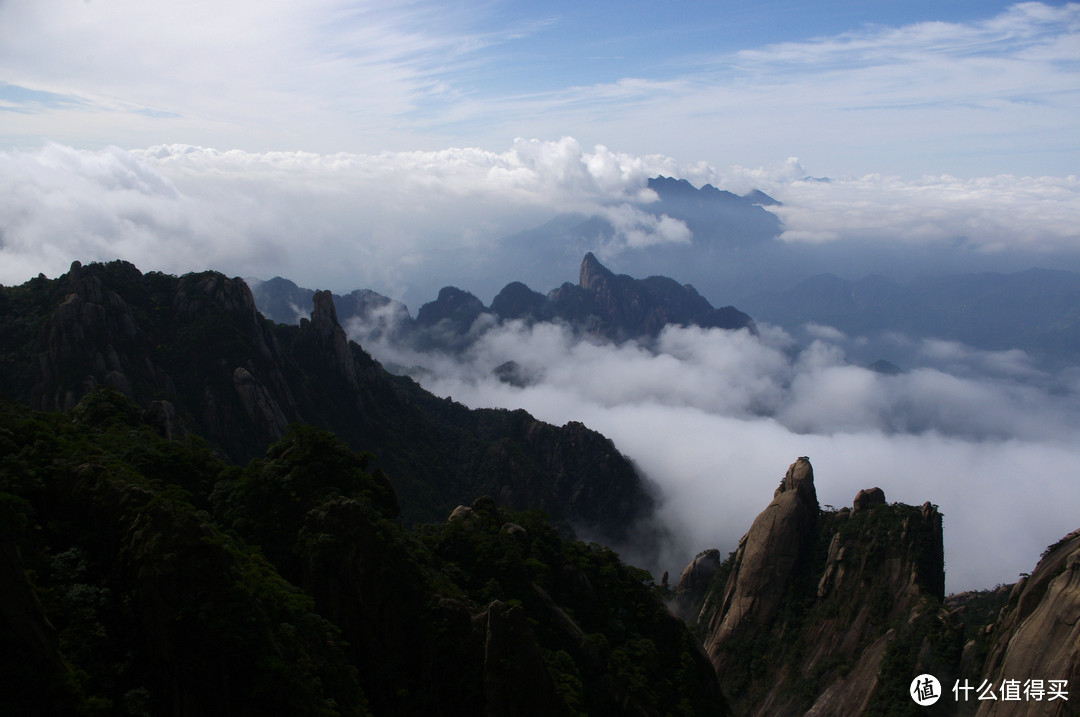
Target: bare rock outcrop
column 1038, row 634
column 329, row 337
column 84, row 343
column 868, row 497
column 825, row 613
column 694, row 584
column 765, row 561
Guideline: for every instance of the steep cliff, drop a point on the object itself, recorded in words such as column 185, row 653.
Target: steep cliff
column 827, row 613
column 1037, row 636
column 619, row 307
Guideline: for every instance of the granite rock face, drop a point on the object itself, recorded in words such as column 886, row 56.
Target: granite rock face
column 868, row 497
column 816, row 612
column 330, row 339
column 84, row 343
column 694, row 583
column 1038, row 634
column 765, row 562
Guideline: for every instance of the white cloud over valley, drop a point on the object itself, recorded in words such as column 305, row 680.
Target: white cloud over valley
column 714, row 418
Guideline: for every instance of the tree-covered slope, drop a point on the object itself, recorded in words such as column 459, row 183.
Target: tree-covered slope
column 145, row 575
column 194, row 351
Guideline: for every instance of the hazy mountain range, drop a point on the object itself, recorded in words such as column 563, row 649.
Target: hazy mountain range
column 728, row 248
column 601, row 305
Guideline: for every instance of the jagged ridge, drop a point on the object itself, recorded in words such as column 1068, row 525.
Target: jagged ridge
column 613, row 306
column 196, row 351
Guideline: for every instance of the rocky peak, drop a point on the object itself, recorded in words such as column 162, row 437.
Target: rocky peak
column 518, row 301
column 671, row 188
column 330, row 340
column 232, row 295
column 453, row 304
column 623, row 307
column 694, row 583
column 593, row 275
column 815, row 605
column 868, row 497
column 800, row 479
column 756, row 196
column 324, row 318
column 84, row 343
column 766, row 561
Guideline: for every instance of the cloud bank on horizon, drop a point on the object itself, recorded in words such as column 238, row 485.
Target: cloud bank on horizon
column 389, row 221
column 346, row 143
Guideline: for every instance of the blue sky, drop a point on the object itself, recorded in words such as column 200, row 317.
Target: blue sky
column 965, row 88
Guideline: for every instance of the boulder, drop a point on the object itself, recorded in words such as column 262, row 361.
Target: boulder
column 868, row 497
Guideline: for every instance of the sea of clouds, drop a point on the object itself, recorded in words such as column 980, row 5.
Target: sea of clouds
column 714, row 417
column 394, row 222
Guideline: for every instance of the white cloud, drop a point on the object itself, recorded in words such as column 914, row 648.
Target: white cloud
column 387, row 221
column 715, row 417
column 268, row 73
column 971, row 98
column 989, row 214
column 636, row 229
column 344, row 220
column 826, row 333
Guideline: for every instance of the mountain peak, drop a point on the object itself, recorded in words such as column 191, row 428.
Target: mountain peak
column 592, row 272
column 756, row 196
column 671, row 186
column 330, row 337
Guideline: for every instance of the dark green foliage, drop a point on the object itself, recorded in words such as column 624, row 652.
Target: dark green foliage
column 606, row 636
column 152, row 608
column 151, row 577
column 928, row 643
column 269, row 499
column 23, row 311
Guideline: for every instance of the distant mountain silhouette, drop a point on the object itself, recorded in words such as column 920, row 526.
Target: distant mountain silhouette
column 724, row 229
column 612, row 306
column 1037, row 310
column 716, row 215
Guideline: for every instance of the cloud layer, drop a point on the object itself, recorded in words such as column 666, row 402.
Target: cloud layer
column 711, row 410
column 715, row 417
column 390, row 221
